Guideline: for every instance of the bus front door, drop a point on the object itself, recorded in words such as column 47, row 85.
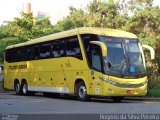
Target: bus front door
column 96, row 72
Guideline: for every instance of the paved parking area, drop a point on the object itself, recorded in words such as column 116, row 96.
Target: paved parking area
column 38, row 104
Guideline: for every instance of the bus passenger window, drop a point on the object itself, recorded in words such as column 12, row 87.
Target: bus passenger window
column 15, row 53
column 58, row 48
column 73, row 48
column 54, row 52
column 96, row 58
column 61, row 48
column 29, row 53
column 45, row 50
column 9, row 55
column 23, row 52
column 35, row 52
column 86, row 38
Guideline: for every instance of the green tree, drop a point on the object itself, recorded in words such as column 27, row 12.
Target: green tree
column 145, row 24
column 96, row 14
column 22, row 29
column 29, row 27
column 74, row 20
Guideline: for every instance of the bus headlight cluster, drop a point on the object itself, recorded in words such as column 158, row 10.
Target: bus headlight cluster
column 124, row 85
column 110, row 82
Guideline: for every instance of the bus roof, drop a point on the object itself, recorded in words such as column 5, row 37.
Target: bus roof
column 82, row 30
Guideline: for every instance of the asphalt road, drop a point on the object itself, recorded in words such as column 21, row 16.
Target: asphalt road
column 38, row 104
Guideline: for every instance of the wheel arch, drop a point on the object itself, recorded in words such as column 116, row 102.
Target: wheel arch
column 23, row 81
column 77, row 81
column 15, row 81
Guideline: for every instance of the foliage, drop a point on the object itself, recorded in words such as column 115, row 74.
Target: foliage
column 96, row 14
column 22, row 29
column 153, row 93
column 29, row 27
column 145, row 24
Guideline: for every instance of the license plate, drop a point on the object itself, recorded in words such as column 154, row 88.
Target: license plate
column 130, row 91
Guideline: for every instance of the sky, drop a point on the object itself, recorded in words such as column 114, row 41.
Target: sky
column 57, row 9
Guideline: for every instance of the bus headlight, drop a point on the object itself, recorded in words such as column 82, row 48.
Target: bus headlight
column 110, row 82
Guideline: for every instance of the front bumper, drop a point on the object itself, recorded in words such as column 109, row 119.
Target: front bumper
column 111, row 90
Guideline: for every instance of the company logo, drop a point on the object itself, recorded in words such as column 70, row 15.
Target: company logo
column 24, row 66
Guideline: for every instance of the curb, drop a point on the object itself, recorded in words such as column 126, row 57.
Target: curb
column 156, row 99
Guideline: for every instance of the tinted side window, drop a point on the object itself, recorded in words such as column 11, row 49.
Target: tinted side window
column 96, row 58
column 73, row 48
column 14, row 54
column 86, row 38
column 8, row 56
column 18, row 54
column 22, row 54
column 61, row 48
column 58, row 48
column 29, row 53
column 11, row 55
column 35, row 52
column 45, row 50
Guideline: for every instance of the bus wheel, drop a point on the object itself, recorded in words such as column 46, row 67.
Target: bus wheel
column 24, row 88
column 117, row 99
column 17, row 88
column 82, row 92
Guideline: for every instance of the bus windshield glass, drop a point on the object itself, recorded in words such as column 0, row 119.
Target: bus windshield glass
column 124, row 57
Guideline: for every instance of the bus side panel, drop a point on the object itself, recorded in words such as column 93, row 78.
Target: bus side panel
column 15, row 71
column 8, row 75
column 8, row 82
column 77, row 69
column 48, row 75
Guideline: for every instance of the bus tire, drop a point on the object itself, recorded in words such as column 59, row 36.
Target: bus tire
column 17, row 88
column 82, row 92
column 24, row 88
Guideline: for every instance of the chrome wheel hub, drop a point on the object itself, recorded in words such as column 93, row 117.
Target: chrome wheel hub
column 24, row 88
column 17, row 88
column 82, row 91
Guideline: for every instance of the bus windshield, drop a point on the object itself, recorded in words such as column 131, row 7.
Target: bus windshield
column 124, row 57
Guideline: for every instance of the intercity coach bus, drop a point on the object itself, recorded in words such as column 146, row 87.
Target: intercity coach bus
column 84, row 62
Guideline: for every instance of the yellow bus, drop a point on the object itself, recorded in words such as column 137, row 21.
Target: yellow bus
column 84, row 62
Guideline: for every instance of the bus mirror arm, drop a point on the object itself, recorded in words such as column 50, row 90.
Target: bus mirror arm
column 152, row 52
column 102, row 46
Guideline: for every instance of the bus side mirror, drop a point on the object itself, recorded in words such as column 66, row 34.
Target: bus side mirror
column 102, row 46
column 152, row 52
